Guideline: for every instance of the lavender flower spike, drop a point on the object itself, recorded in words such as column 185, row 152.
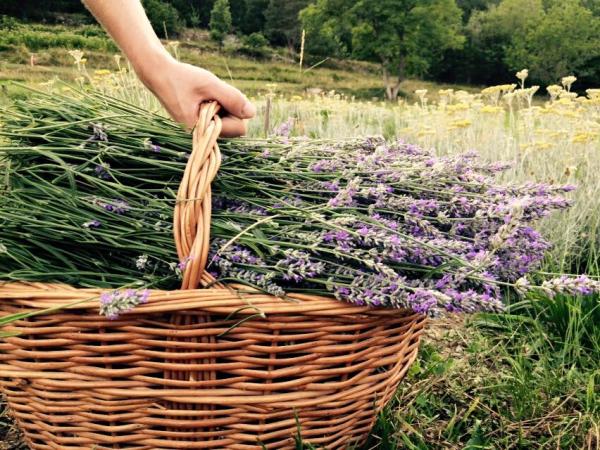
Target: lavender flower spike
column 114, row 303
column 581, row 285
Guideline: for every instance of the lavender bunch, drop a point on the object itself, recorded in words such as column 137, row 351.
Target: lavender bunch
column 367, row 221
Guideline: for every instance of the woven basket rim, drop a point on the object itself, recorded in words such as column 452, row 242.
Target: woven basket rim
column 43, row 295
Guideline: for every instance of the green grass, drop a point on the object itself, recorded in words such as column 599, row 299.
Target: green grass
column 526, row 380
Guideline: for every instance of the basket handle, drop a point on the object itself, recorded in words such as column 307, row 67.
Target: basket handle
column 191, row 219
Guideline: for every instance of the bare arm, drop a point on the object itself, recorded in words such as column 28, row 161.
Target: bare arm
column 180, row 87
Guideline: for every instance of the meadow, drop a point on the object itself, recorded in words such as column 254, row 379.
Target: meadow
column 528, row 379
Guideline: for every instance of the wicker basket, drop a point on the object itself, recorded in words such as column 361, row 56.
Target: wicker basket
column 199, row 368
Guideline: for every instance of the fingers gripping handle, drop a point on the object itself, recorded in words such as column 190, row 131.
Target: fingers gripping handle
column 191, row 219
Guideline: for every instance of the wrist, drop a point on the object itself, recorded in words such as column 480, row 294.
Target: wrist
column 151, row 66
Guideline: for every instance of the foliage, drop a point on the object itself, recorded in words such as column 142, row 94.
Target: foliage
column 551, row 38
column 53, row 11
column 163, row 17
column 501, row 35
column 470, row 6
column 498, row 382
column 254, row 20
column 238, row 13
column 281, row 21
column 564, row 39
column 326, row 34
column 255, row 44
column 36, row 38
column 8, row 23
column 194, row 12
column 220, row 20
column 404, row 36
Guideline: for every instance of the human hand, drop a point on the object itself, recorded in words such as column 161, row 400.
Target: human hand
column 181, row 88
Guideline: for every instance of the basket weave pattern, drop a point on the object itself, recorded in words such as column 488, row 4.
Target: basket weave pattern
column 199, row 368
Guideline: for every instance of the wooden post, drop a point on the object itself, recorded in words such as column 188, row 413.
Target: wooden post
column 302, row 48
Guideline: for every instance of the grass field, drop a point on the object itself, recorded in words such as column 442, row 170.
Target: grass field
column 529, row 379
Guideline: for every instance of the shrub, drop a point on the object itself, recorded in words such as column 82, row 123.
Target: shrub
column 39, row 38
column 255, row 44
column 8, row 23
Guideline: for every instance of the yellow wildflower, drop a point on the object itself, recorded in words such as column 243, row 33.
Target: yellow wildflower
column 460, row 123
column 593, row 93
column 584, row 137
column 489, row 109
column 568, row 81
column 522, row 75
column 77, row 55
column 457, row 107
column 554, row 90
column 446, row 92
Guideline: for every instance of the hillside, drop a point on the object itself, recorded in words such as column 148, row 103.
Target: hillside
column 40, row 52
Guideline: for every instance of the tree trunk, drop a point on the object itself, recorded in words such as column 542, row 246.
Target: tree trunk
column 392, row 84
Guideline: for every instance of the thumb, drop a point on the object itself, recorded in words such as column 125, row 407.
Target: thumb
column 234, row 102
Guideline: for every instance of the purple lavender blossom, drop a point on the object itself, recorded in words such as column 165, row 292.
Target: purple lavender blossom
column 394, row 207
column 345, row 196
column 240, row 263
column 117, row 206
column 332, row 186
column 285, row 129
column 103, row 171
column 117, row 302
column 579, row 285
column 182, row 265
column 326, row 165
column 422, row 301
column 297, row 266
column 341, row 239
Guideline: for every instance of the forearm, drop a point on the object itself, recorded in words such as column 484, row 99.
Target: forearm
column 180, row 87
column 126, row 22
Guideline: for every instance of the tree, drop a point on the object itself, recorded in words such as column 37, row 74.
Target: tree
column 254, row 20
column 220, row 20
column 238, row 10
column 489, row 34
column 326, row 34
column 552, row 38
column 404, row 36
column 593, row 6
column 565, row 40
column 163, row 17
column 282, row 25
column 470, row 6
